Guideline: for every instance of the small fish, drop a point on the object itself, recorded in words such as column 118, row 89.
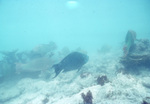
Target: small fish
column 74, row 60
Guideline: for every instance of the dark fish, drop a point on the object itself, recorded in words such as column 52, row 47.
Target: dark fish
column 74, row 60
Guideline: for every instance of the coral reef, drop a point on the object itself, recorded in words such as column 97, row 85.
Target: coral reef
column 129, row 41
column 101, row 80
column 87, row 99
column 38, row 64
column 138, row 56
column 38, row 59
column 123, row 88
column 134, row 61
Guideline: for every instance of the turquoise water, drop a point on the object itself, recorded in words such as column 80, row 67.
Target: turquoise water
column 79, row 23
column 96, row 26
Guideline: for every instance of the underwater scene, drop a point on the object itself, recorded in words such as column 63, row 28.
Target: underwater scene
column 74, row 51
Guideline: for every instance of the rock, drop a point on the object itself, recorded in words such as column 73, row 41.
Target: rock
column 141, row 46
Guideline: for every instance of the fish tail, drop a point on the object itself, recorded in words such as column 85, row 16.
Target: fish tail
column 57, row 68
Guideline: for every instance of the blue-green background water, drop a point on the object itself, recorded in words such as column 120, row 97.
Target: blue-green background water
column 88, row 24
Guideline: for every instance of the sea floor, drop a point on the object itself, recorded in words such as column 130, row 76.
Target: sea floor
column 122, row 88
